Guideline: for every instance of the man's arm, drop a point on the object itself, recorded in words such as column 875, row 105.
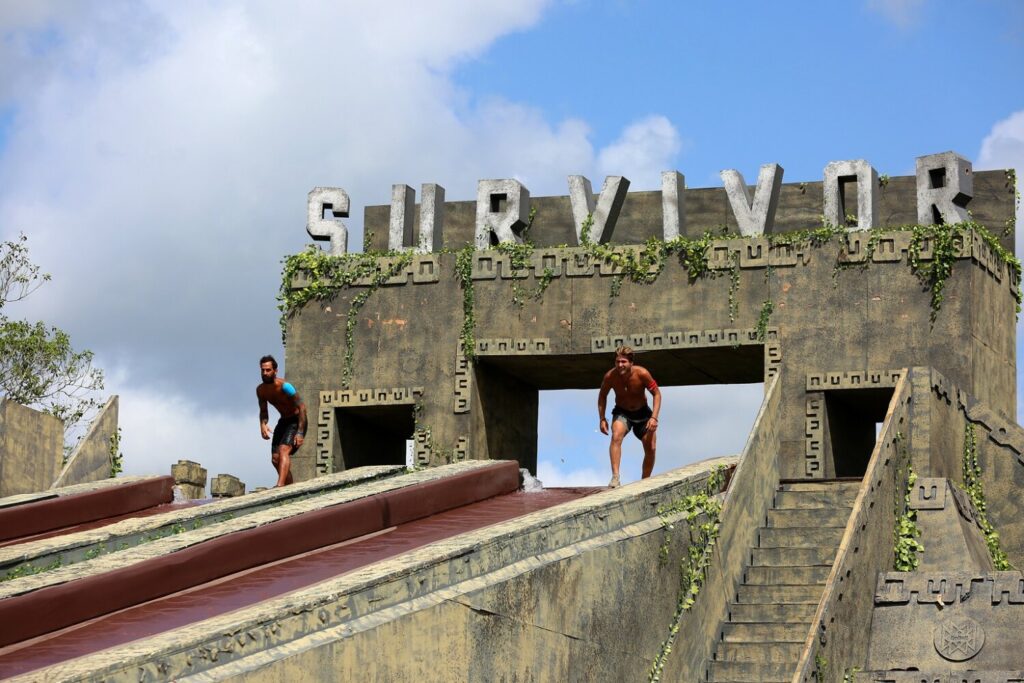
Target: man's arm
column 264, row 415
column 602, row 403
column 652, row 387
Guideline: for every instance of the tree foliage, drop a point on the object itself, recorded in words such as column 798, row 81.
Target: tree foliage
column 38, row 365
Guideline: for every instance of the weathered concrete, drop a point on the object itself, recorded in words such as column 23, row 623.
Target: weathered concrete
column 190, row 477
column 91, row 460
column 73, row 548
column 31, row 445
column 538, row 584
column 336, row 200
column 754, row 216
column 838, row 174
column 227, row 486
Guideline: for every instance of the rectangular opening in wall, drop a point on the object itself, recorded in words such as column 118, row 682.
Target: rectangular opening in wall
column 854, row 417
column 696, row 423
column 373, row 435
column 542, row 410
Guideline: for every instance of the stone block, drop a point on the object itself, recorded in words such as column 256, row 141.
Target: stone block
column 226, row 486
column 188, row 472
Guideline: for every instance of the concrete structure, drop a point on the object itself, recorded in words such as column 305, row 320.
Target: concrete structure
column 227, row 486
column 31, row 445
column 190, row 478
column 92, row 457
column 870, row 530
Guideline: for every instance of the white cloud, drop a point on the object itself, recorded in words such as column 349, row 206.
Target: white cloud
column 1003, row 148
column 902, row 13
column 160, row 155
column 645, row 149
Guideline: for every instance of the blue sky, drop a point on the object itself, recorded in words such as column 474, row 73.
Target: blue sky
column 158, row 156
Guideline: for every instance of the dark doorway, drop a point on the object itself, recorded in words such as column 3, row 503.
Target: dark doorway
column 852, row 418
column 373, row 435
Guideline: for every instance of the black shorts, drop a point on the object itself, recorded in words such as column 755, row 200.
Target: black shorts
column 635, row 420
column 284, row 433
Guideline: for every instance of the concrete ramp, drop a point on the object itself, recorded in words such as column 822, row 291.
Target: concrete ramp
column 452, row 567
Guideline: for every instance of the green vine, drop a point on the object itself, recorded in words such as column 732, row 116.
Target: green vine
column 734, row 285
column 945, row 241
column 1011, row 183
column 906, row 546
column 464, row 274
column 820, row 668
column 116, row 456
column 693, row 567
column 767, row 307
column 326, row 275
column 975, row 491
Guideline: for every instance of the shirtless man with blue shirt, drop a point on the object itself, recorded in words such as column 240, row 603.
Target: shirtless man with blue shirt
column 291, row 428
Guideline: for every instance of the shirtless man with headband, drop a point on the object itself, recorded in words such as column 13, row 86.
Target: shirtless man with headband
column 291, row 428
column 631, row 411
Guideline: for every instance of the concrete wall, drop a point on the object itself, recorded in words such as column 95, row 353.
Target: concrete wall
column 800, row 207
column 31, row 445
column 91, row 458
column 570, row 593
column 862, row 322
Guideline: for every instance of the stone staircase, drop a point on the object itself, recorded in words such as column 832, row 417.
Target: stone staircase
column 771, row 613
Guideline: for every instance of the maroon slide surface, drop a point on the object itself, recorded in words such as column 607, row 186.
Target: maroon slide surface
column 55, row 607
column 42, row 516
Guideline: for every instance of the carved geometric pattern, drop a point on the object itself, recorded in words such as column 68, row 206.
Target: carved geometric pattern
column 915, row 676
column 1002, row 431
column 424, row 269
column 863, row 379
column 996, row 588
column 772, row 360
column 959, row 638
column 964, row 506
column 425, row 454
column 326, row 424
column 463, row 383
column 649, row 341
column 814, row 436
column 747, row 253
column 506, row 346
column 929, row 493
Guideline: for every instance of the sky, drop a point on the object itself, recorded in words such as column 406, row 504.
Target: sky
column 158, row 156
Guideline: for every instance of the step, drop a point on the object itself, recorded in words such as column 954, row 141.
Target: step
column 749, row 672
column 804, row 517
column 810, row 486
column 750, row 613
column 765, row 633
column 754, row 594
column 764, row 653
column 816, row 499
column 787, row 576
column 800, row 537
column 792, row 557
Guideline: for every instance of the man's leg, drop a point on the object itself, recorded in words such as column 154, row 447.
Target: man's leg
column 649, row 440
column 283, row 464
column 615, row 449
